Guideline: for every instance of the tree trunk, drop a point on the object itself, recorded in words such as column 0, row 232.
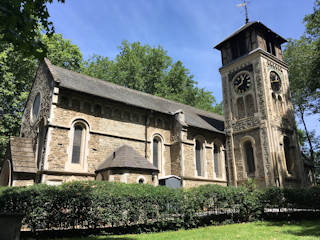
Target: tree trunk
column 301, row 111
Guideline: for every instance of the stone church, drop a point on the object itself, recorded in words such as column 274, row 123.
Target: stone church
column 76, row 127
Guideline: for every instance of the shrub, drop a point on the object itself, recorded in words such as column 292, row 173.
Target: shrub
column 138, row 207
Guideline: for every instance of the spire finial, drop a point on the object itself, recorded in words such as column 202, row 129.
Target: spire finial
column 244, row 4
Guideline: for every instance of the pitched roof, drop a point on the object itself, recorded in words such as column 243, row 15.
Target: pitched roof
column 83, row 83
column 22, row 155
column 169, row 176
column 126, row 157
column 250, row 24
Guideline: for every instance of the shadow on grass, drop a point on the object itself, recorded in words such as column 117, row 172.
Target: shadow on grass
column 75, row 236
column 306, row 228
column 101, row 237
column 106, row 238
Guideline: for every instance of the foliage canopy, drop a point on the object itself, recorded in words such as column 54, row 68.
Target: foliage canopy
column 303, row 58
column 17, row 73
column 19, row 25
column 151, row 70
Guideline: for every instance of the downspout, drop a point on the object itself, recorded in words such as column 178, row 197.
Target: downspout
column 41, row 167
column 233, row 161
column 226, row 164
column 147, row 121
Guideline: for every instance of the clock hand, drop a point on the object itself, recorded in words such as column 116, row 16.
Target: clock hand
column 241, row 78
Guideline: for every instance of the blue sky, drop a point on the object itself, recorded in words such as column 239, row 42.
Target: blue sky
column 186, row 29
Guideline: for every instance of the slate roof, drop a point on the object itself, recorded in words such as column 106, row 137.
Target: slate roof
column 22, row 155
column 169, row 176
column 83, row 83
column 256, row 24
column 126, row 157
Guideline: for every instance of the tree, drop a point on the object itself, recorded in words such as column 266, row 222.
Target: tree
column 299, row 54
column 313, row 33
column 303, row 58
column 150, row 70
column 62, row 52
column 313, row 21
column 17, row 73
column 98, row 67
column 19, row 25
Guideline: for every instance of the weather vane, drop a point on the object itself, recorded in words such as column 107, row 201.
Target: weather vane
column 244, row 4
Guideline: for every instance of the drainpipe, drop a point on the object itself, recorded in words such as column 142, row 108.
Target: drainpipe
column 147, row 122
column 226, row 164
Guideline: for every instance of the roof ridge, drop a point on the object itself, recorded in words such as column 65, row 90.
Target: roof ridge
column 236, row 31
column 120, row 154
column 137, row 91
column 243, row 27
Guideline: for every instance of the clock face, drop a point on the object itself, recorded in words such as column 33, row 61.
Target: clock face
column 275, row 81
column 242, row 83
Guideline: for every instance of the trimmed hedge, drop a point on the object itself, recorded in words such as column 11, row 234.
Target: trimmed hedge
column 94, row 204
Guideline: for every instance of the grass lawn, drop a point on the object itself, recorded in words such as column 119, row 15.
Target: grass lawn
column 304, row 230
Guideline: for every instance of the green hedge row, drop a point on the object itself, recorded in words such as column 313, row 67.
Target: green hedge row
column 96, row 204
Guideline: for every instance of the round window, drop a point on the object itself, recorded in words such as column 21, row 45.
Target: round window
column 36, row 107
column 141, row 181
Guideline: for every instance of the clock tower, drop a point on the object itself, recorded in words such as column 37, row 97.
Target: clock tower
column 261, row 139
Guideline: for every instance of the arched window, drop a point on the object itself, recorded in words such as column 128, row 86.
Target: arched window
column 79, row 142
column 40, row 142
column 274, row 103
column 157, row 152
column 289, row 162
column 249, row 156
column 36, row 107
column 199, row 158
column 249, row 105
column 217, row 160
column 280, row 108
column 240, row 106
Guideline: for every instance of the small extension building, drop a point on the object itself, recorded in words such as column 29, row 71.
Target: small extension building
column 76, row 127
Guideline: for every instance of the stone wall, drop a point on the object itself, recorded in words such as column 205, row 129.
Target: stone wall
column 132, row 176
column 266, row 127
column 109, row 125
column 36, row 128
column 23, row 182
column 42, row 84
column 239, row 154
column 195, row 183
column 112, row 126
column 208, row 139
column 59, row 178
